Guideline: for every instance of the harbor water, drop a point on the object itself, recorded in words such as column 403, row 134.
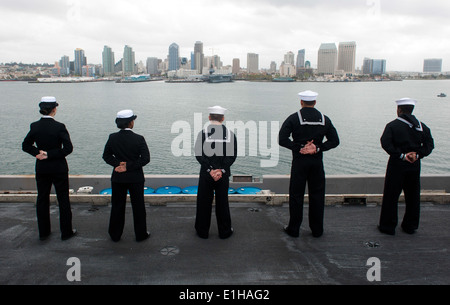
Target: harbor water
column 169, row 116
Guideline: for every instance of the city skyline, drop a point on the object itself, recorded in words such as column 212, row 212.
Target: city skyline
column 331, row 60
column 402, row 32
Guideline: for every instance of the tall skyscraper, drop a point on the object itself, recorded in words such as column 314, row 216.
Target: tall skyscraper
column 367, row 66
column 129, row 62
column 64, row 65
column 174, row 57
column 152, row 65
column 236, row 66
column 379, row 67
column 198, row 56
column 217, row 64
column 192, row 61
column 432, row 65
column 327, row 59
column 301, row 59
column 289, row 58
column 252, row 63
column 80, row 61
column 108, row 61
column 347, row 57
column 273, row 67
column 374, row 66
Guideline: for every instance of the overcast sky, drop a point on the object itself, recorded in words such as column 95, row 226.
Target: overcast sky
column 404, row 32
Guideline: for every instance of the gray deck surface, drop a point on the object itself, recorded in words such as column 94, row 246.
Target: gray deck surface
column 259, row 253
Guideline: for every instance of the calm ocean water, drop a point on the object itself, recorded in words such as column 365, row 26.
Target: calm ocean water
column 359, row 112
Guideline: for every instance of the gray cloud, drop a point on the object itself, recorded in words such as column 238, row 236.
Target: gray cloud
column 400, row 31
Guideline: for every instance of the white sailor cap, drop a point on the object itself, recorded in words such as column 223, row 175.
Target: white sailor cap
column 308, row 96
column 48, row 102
column 406, row 101
column 125, row 114
column 217, row 110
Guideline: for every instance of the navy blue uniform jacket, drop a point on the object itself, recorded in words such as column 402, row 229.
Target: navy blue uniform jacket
column 50, row 136
column 127, row 146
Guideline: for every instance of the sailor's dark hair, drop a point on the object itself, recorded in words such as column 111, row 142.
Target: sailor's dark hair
column 309, row 103
column 46, row 110
column 407, row 109
column 123, row 125
column 216, row 117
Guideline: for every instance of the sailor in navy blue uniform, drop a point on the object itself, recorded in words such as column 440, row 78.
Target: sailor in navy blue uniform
column 216, row 151
column 127, row 152
column 308, row 128
column 407, row 141
column 49, row 142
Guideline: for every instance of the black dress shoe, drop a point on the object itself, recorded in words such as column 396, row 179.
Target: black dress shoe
column 74, row 232
column 44, row 237
column 144, row 238
column 317, row 234
column 408, row 231
column 227, row 235
column 201, row 235
column 286, row 230
column 386, row 231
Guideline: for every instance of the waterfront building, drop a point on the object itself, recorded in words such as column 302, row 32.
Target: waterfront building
column 129, row 62
column 108, row 61
column 152, row 65
column 198, row 57
column 374, row 66
column 217, row 64
column 118, row 67
column 192, row 61
column 140, row 68
column 80, row 61
column 174, row 57
column 289, row 58
column 56, row 70
column 212, row 61
column 164, row 65
column 307, row 64
column 185, row 63
column 236, row 66
column 287, row 70
column 327, row 59
column 347, row 57
column 64, row 65
column 367, row 66
column 301, row 59
column 88, row 71
column 252, row 63
column 273, row 67
column 379, row 67
column 432, row 65
column 98, row 69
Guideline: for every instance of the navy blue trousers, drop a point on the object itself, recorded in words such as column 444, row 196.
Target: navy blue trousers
column 307, row 170
column 207, row 189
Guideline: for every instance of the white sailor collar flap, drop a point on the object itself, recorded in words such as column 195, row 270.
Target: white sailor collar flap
column 217, row 135
column 303, row 121
column 418, row 128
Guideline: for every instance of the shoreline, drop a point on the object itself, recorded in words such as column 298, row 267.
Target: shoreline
column 235, row 80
